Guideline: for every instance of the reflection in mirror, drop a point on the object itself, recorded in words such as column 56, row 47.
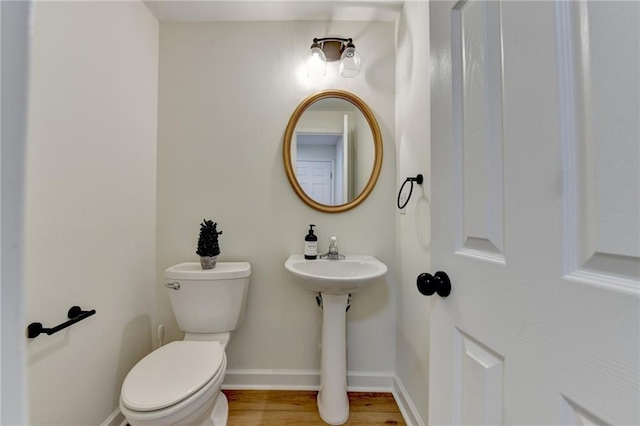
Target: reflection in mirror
column 334, row 153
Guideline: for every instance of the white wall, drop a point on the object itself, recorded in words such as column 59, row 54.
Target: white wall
column 413, row 147
column 14, row 24
column 227, row 91
column 90, row 203
column 317, row 153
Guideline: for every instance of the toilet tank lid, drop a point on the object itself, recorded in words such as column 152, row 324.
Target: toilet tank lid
column 222, row 271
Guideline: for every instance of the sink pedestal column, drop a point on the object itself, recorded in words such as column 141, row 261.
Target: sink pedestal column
column 333, row 402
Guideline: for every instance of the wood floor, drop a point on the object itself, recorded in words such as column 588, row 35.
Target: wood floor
column 298, row 408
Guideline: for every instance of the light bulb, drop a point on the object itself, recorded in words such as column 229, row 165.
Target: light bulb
column 350, row 62
column 316, row 62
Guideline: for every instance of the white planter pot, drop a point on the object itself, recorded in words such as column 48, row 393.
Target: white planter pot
column 208, row 262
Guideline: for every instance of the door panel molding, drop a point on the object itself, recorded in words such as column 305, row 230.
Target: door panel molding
column 478, row 133
column 601, row 245
column 574, row 414
column 478, row 376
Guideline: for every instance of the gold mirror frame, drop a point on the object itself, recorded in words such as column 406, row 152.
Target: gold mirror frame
column 377, row 142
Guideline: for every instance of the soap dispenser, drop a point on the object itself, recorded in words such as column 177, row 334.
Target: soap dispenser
column 310, row 244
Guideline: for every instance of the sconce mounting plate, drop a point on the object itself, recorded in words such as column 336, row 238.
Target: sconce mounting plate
column 332, row 49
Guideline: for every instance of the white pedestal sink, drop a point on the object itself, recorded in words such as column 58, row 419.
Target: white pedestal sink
column 334, row 280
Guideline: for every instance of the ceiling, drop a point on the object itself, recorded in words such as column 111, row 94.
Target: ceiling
column 270, row 10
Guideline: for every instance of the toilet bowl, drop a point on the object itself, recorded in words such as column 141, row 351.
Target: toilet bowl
column 179, row 383
column 176, row 384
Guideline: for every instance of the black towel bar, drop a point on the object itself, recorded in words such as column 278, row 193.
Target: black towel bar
column 75, row 314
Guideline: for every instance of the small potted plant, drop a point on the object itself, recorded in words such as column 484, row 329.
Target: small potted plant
column 208, row 247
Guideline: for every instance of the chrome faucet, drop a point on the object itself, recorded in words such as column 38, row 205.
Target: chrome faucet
column 333, row 250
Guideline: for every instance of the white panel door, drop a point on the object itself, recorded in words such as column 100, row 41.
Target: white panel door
column 316, row 179
column 536, row 212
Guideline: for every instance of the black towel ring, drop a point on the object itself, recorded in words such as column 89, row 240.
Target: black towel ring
column 418, row 179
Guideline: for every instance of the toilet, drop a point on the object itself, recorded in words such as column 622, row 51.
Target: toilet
column 179, row 383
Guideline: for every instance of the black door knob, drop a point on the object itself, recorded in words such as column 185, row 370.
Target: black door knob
column 438, row 283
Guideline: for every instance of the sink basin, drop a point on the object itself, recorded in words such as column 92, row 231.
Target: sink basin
column 336, row 276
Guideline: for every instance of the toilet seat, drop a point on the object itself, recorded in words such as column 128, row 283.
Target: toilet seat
column 171, row 374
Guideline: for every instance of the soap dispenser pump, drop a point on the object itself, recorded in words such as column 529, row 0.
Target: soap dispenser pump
column 310, row 244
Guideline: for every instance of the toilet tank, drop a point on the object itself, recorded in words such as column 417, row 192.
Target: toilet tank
column 208, row 300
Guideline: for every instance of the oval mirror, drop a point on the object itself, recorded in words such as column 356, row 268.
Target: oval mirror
column 332, row 151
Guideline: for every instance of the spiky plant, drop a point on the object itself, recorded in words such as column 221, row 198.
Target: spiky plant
column 208, row 239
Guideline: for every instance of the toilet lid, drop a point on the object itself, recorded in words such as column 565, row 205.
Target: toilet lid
column 170, row 374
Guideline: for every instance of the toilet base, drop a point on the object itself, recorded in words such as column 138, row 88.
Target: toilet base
column 216, row 417
column 220, row 412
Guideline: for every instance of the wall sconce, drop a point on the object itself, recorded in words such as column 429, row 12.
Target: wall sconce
column 331, row 49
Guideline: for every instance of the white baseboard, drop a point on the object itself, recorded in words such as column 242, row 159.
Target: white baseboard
column 240, row 379
column 115, row 419
column 357, row 381
column 407, row 408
